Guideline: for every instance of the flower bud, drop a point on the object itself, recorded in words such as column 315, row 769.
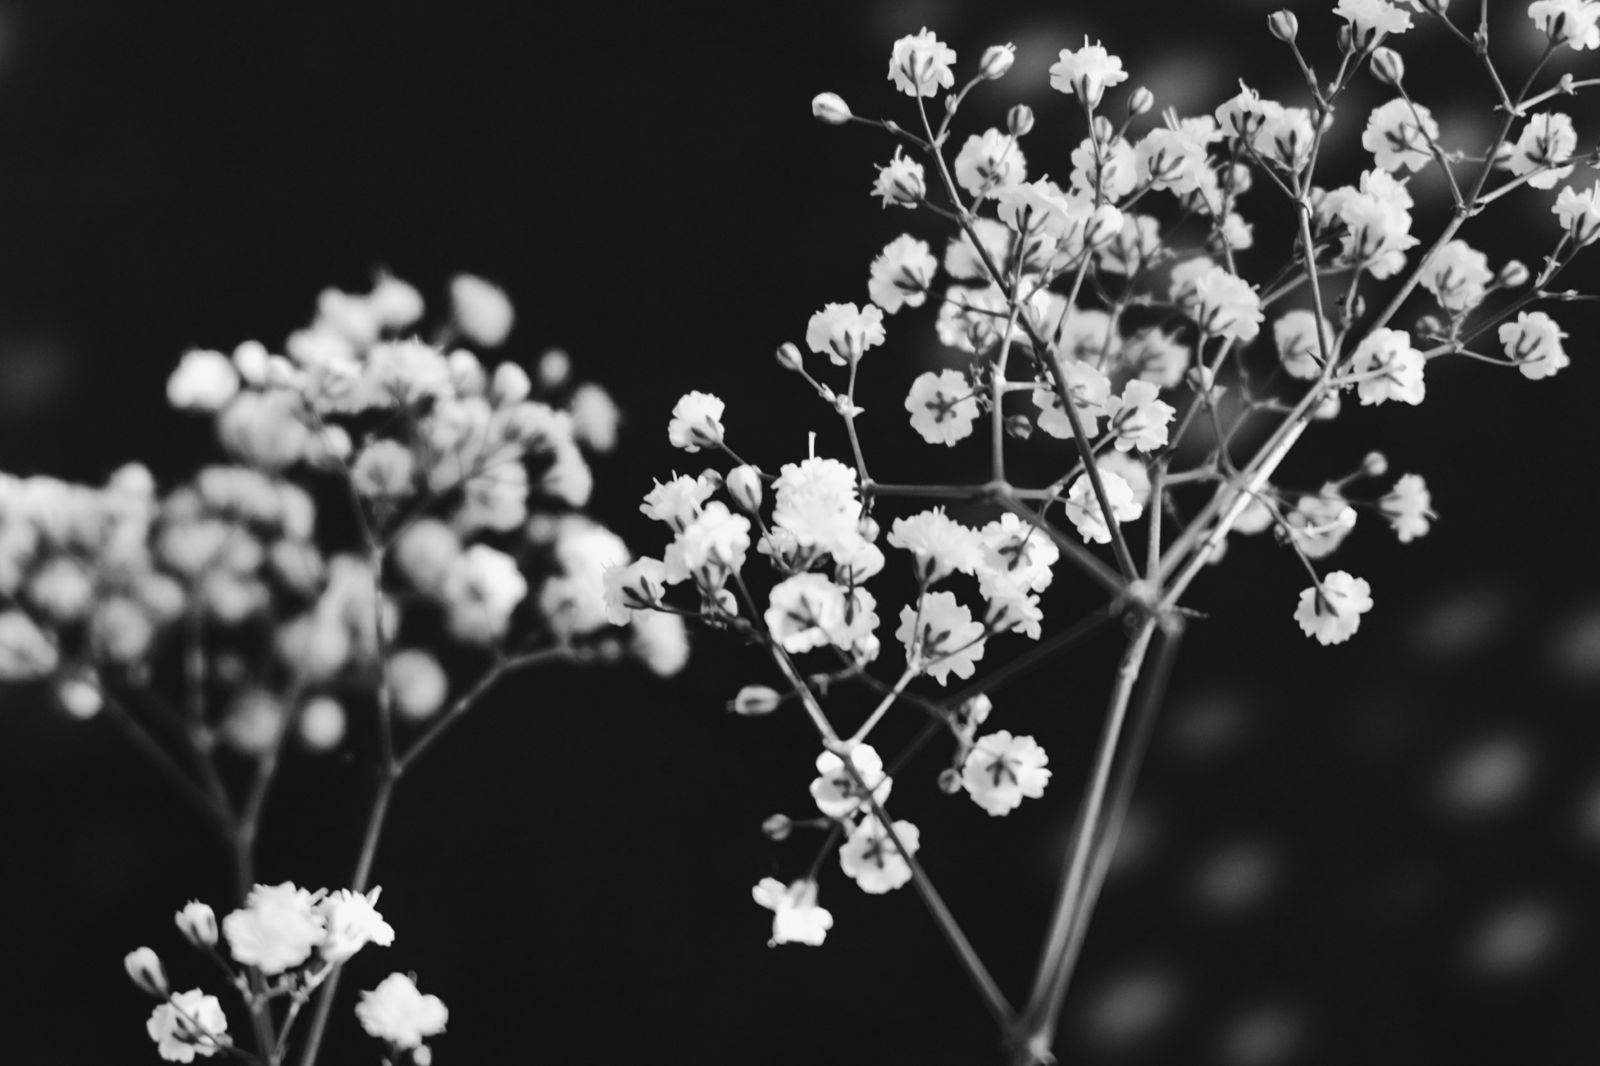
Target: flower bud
column 554, row 368
column 198, row 924
column 789, row 356
column 950, row 780
column 1284, row 26
column 830, row 108
column 754, row 700
column 1019, row 426
column 144, row 970
column 1328, row 409
column 1347, row 40
column 1435, row 7
column 778, row 827
column 1387, row 66
column 1141, row 102
column 1019, row 120
column 997, row 59
column 1430, row 326
column 422, row 1055
column 710, row 476
column 868, row 528
column 1513, row 275
column 744, row 485
column 79, row 695
column 1102, row 130
column 1376, row 464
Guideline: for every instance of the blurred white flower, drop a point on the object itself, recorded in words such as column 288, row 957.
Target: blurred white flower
column 1083, row 506
column 1388, row 368
column 482, row 310
column 397, row 1013
column 796, row 918
column 901, row 274
column 203, row 381
column 190, row 1023
column 416, row 683
column 1331, row 612
column 844, row 332
column 276, row 930
column 353, row 922
column 1408, row 506
column 1533, row 342
column 198, row 924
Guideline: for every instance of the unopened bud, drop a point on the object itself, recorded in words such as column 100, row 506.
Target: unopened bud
column 554, row 368
column 1141, row 102
column 754, row 700
column 1430, row 326
column 789, row 356
column 1513, row 275
column 1347, row 40
column 1102, row 130
column 1284, row 26
column 1327, row 409
column 1388, row 67
column 830, row 108
column 1435, row 7
column 1376, row 464
column 198, row 924
column 422, row 1055
column 79, row 695
column 950, row 780
column 1019, row 120
column 1239, row 179
column 712, row 477
column 744, row 486
column 1019, row 426
column 144, row 970
column 868, row 528
column 778, row 827
column 996, row 61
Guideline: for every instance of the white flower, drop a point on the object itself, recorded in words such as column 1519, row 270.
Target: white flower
column 276, row 930
column 383, row 470
column 1222, row 304
column 710, row 547
column 1388, row 368
column 1109, row 167
column 1019, row 551
column 190, row 1023
column 1135, row 246
column 1011, row 607
column 1284, row 136
column 1170, row 160
column 203, row 381
column 1087, row 73
column 198, row 924
column 144, row 969
column 1544, row 150
column 872, row 857
column 661, row 642
column 696, row 422
column 834, row 788
column 844, row 332
column 1579, row 212
column 1083, row 507
column 919, row 65
column 900, row 182
column 573, row 601
column 940, row 544
column 1091, row 395
column 940, row 637
column 1458, row 276
column 1332, row 611
column 425, row 552
column 633, row 589
column 353, row 922
column 1377, row 220
column 901, row 274
column 1321, row 522
column 482, row 310
column 1570, row 22
column 815, row 501
column 943, row 406
column 677, row 501
column 1370, row 20
column 1408, row 506
column 480, row 590
column 796, row 918
column 1001, row 770
column 1139, row 418
column 1533, row 342
column 1395, row 138
column 416, row 682
column 400, row 1015
column 989, row 161
column 805, row 612
column 1295, row 335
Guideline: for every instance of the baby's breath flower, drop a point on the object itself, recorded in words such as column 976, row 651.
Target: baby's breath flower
column 830, row 108
column 400, row 1015
column 844, row 332
column 482, row 310
column 1331, row 611
column 696, row 422
column 190, row 1023
column 1001, row 770
column 1371, row 20
column 276, row 930
column 943, row 407
column 1299, row 348
column 1408, row 506
column 1222, row 304
column 1579, row 212
column 1087, row 73
column 635, row 587
column 1533, row 342
column 383, row 470
column 1568, row 22
column 1139, row 418
column 144, row 969
column 198, row 924
column 417, row 683
column 1320, row 523
column 1083, row 506
column 480, row 590
column 1543, row 151
column 1170, row 160
column 835, row 789
column 900, row 182
column 1395, row 137
column 353, row 922
column 919, row 65
column 796, row 918
column 940, row 544
column 709, row 548
column 989, row 161
column 321, row 723
column 1458, row 275
column 1019, row 551
column 872, row 857
column 203, row 381
column 1090, row 389
column 940, row 637
column 901, row 274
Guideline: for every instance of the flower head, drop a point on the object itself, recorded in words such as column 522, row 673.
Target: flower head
column 1083, row 506
column 1371, row 20
column 919, row 65
column 1575, row 23
column 190, row 1023
column 1409, row 507
column 1388, row 368
column 353, row 922
column 696, row 422
column 943, row 407
column 835, row 788
column 796, row 918
column 1399, row 134
column 940, row 544
column 277, row 928
column 397, row 1013
column 873, row 857
column 1139, row 417
column 1533, row 342
column 1001, row 770
column 844, row 332
column 989, row 161
column 1331, row 611
column 940, row 637
column 1543, row 152
column 1087, row 73
column 900, row 182
column 901, row 274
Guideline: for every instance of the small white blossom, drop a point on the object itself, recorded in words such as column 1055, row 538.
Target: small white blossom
column 1083, row 507
column 900, row 182
column 1575, row 23
column 844, row 332
column 1019, row 551
column 709, row 548
column 1139, row 418
column 805, row 612
column 1087, row 73
column 989, row 161
column 1299, row 347
column 1222, row 304
column 1091, row 395
column 482, row 310
column 873, row 858
column 815, row 501
column 1371, row 20
column 901, row 274
column 383, row 470
column 1544, row 150
column 796, row 918
column 940, row 544
column 400, row 1015
column 1533, row 342
column 676, row 502
column 417, row 684
column 919, row 65
column 696, row 422
column 633, row 588
column 836, row 791
column 1388, row 368
column 1579, row 212
column 353, row 922
column 190, row 1023
column 1001, row 770
column 1331, row 612
column 940, row 637
column 1397, row 139
column 203, row 381
column 943, row 407
column 1408, row 506
column 1170, row 160
column 1458, row 275
column 480, row 590
column 198, row 924
column 276, row 929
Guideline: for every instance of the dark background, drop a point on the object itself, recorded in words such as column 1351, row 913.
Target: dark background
column 1381, row 853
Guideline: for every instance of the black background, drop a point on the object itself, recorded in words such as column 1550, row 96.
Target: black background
column 1380, row 853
